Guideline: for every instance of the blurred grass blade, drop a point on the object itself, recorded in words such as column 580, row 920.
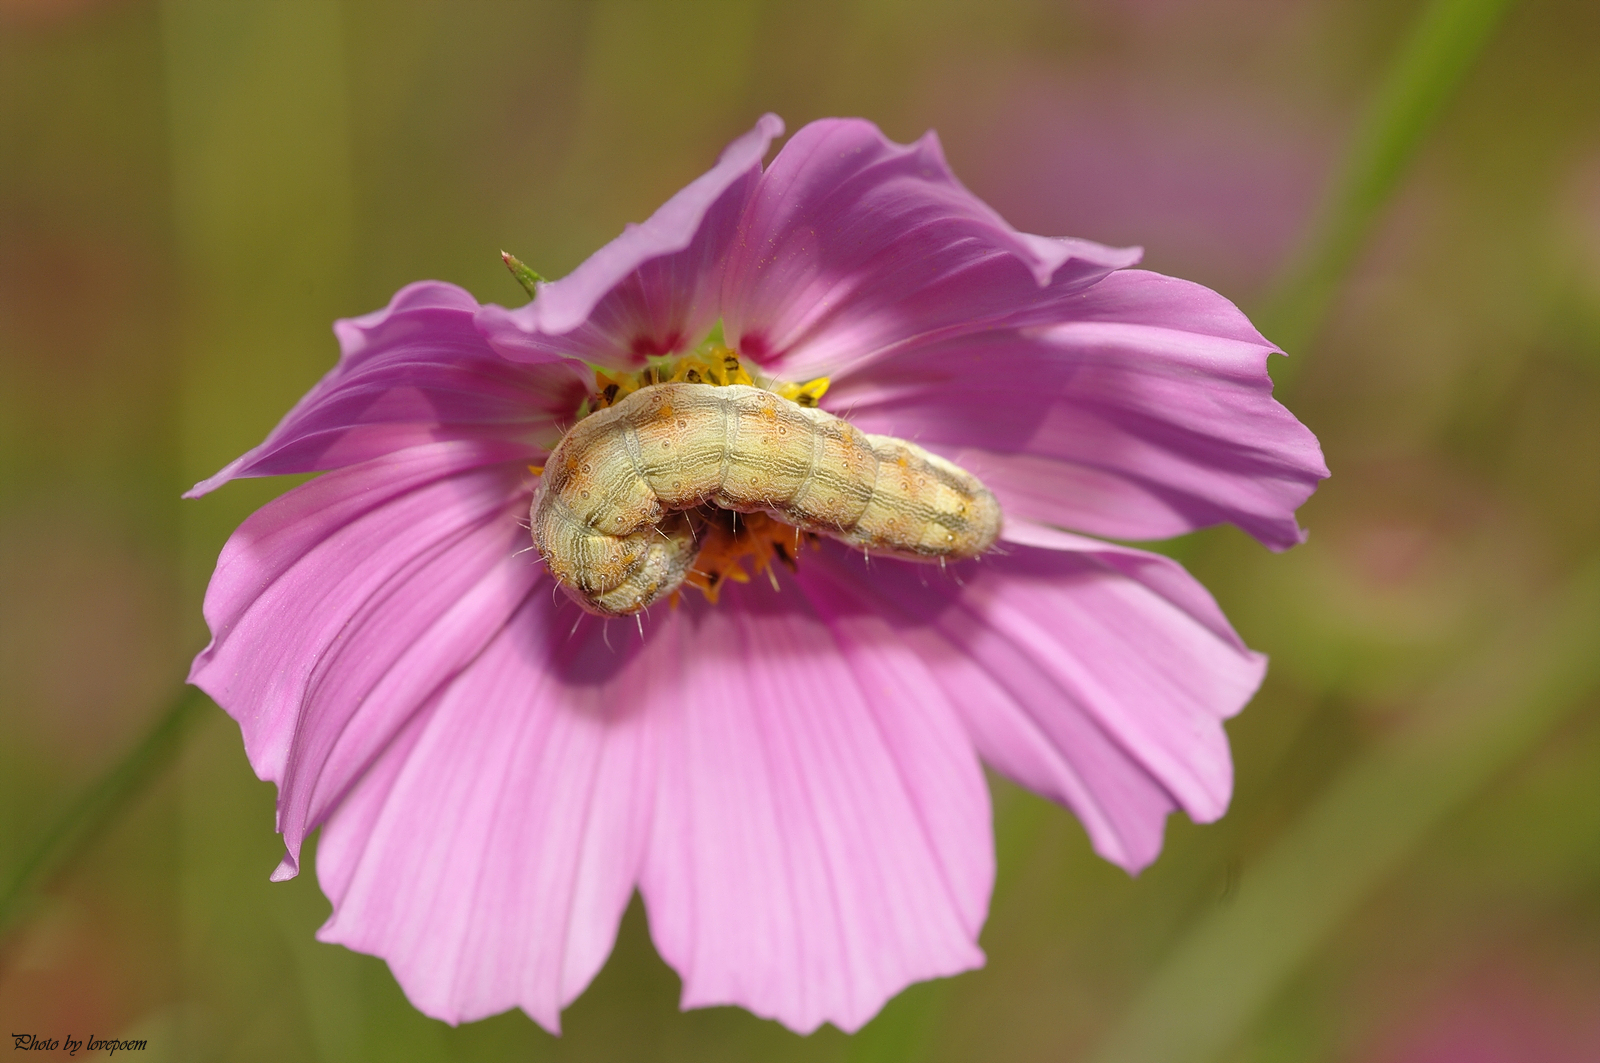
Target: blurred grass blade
column 1473, row 726
column 83, row 820
column 1448, row 37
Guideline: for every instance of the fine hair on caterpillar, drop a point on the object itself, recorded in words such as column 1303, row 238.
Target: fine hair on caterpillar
column 615, row 520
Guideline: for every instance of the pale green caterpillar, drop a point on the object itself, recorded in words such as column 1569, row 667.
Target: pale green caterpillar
column 614, row 515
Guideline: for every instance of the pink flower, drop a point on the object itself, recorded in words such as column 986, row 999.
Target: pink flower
column 791, row 777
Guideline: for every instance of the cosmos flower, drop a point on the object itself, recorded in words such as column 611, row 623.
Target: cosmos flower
column 791, row 774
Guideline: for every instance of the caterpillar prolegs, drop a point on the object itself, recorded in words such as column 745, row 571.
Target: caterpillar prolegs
column 614, row 515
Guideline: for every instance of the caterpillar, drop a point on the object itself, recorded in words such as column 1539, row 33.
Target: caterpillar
column 614, row 515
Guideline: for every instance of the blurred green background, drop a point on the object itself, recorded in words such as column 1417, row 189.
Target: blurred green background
column 191, row 191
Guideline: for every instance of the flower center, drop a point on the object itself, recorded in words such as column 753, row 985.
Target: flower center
column 712, row 364
column 728, row 538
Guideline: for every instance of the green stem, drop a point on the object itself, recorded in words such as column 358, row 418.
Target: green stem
column 1447, row 38
column 97, row 806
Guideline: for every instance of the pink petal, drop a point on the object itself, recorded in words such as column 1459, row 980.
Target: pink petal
column 652, row 290
column 338, row 609
column 822, row 832
column 854, row 245
column 415, row 372
column 1094, row 674
column 489, row 854
column 1146, row 412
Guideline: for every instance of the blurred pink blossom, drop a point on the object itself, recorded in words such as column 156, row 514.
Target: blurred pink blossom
column 1514, row 1007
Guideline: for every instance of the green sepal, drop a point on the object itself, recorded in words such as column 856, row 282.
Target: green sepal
column 525, row 276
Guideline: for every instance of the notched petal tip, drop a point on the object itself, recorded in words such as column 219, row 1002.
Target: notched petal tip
column 1094, row 674
column 288, row 868
column 822, row 831
column 1050, row 253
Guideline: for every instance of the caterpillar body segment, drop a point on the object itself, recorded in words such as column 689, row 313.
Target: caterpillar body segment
column 613, row 514
column 619, row 575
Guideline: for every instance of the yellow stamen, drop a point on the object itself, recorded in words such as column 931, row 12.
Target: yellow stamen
column 806, row 394
column 730, row 539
